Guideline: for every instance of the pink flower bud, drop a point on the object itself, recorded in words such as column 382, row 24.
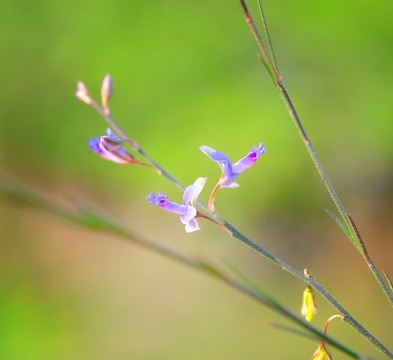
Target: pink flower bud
column 82, row 93
column 106, row 92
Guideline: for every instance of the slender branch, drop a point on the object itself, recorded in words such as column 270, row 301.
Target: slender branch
column 312, row 152
column 258, row 38
column 388, row 280
column 292, row 110
column 269, row 40
column 370, row 263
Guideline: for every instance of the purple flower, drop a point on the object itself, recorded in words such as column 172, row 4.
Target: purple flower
column 231, row 171
column 186, row 212
column 110, row 147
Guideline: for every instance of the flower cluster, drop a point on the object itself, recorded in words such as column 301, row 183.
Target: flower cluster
column 188, row 213
column 112, row 147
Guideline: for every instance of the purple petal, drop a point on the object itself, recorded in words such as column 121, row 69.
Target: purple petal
column 243, row 164
column 110, row 133
column 156, row 200
column 219, row 157
column 207, row 150
column 94, row 144
column 173, row 207
column 253, row 155
column 229, row 184
column 257, row 151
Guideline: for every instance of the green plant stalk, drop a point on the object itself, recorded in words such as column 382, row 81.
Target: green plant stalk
column 90, row 219
column 238, row 235
column 292, row 110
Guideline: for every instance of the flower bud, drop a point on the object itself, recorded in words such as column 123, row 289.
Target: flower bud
column 309, row 307
column 322, row 353
column 106, row 92
column 82, row 93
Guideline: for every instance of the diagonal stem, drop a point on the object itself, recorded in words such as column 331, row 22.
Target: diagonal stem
column 292, row 110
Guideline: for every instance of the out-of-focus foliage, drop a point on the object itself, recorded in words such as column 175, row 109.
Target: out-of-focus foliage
column 185, row 75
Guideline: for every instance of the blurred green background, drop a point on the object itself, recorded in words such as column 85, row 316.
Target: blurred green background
column 186, row 74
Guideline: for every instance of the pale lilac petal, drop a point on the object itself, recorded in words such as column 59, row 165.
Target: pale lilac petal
column 156, row 200
column 160, row 200
column 192, row 226
column 192, row 192
column 253, row 155
column 207, row 150
column 189, row 193
column 243, row 164
column 189, row 214
column 229, row 184
column 221, row 159
column 110, row 133
column 174, row 207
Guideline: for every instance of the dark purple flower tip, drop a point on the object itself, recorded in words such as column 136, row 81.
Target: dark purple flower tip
column 158, row 199
column 257, row 151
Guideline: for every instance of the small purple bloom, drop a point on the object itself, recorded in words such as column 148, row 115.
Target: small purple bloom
column 110, row 147
column 232, row 171
column 187, row 213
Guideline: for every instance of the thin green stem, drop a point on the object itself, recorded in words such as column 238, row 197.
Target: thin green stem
column 370, row 263
column 292, row 110
column 312, row 152
column 389, row 281
column 269, row 40
column 258, row 38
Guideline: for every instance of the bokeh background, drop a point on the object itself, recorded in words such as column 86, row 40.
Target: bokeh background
column 186, row 74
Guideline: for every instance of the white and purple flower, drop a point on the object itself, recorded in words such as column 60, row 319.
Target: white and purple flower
column 186, row 211
column 231, row 171
column 110, row 147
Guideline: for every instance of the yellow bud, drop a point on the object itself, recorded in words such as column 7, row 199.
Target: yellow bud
column 322, row 353
column 308, row 306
